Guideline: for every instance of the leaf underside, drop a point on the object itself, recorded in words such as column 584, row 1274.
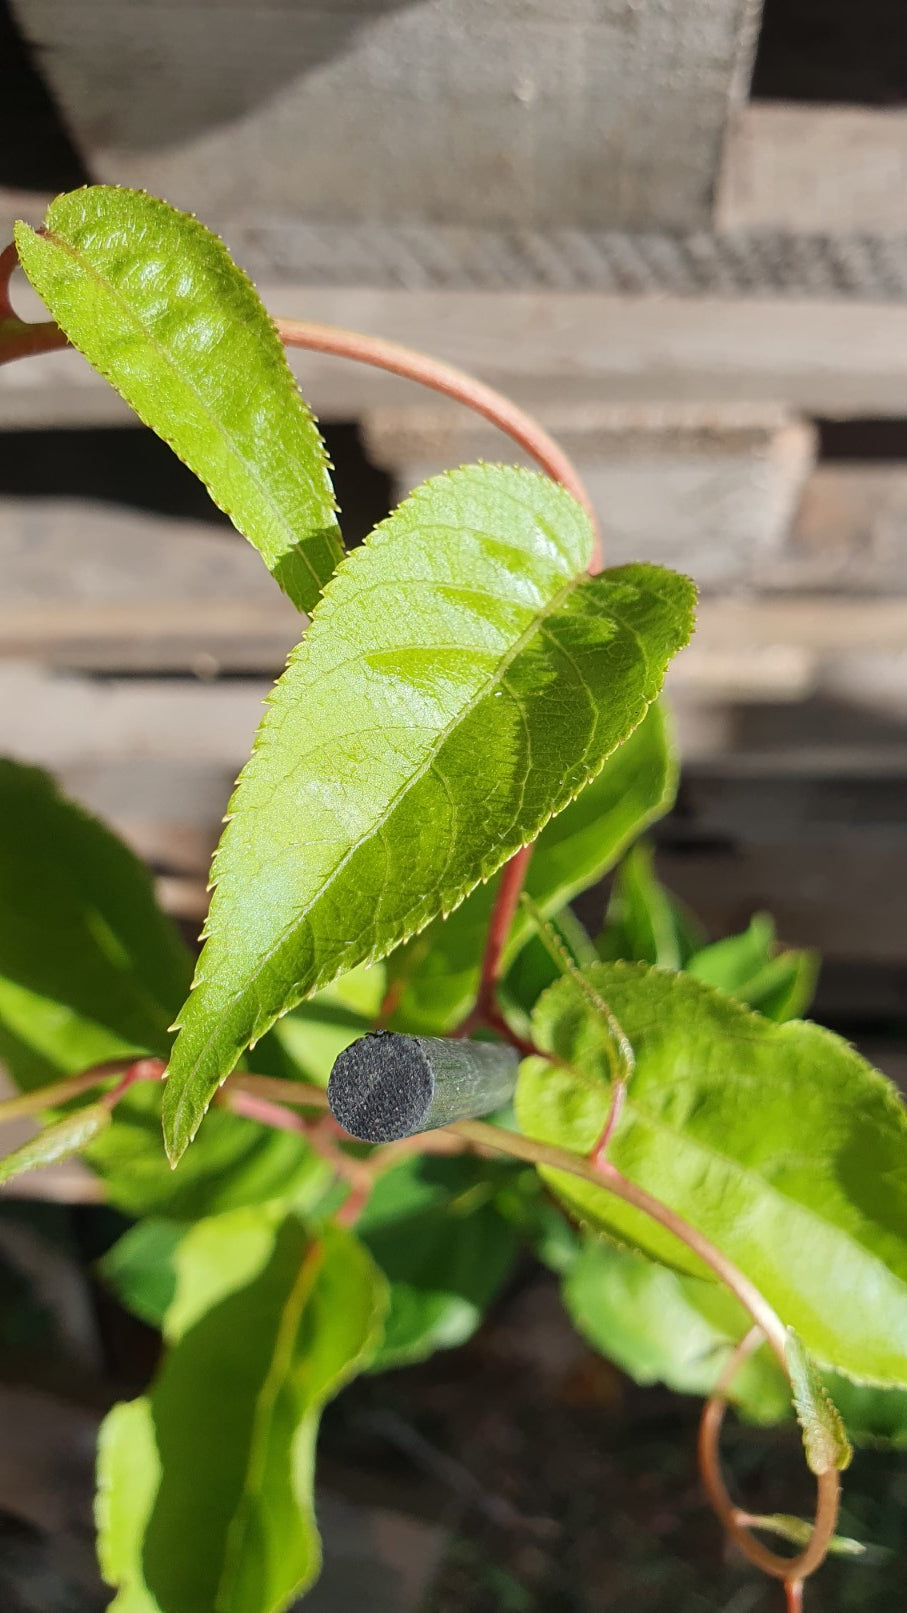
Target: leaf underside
column 778, row 1142
column 461, row 681
column 205, row 1484
column 156, row 304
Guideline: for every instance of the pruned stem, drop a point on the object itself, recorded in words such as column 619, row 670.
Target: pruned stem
column 792, row 1570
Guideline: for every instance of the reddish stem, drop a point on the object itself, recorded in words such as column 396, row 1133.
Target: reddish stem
column 142, row 1070
column 792, row 1570
column 21, row 338
column 318, row 1133
column 506, row 902
column 618, row 1098
column 454, row 383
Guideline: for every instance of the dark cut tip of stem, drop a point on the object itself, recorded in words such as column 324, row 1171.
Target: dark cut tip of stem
column 388, row 1086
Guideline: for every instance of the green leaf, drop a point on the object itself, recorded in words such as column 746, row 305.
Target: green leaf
column 824, row 1437
column 799, row 1532
column 432, row 1227
column 871, row 1416
column 537, row 965
column 157, row 305
column 90, row 969
column 524, row 1201
column 460, row 683
column 645, row 923
column 56, row 1142
column 205, row 1485
column 439, row 970
column 786, row 986
column 237, row 1162
column 778, row 1142
column 661, row 1327
column 746, row 967
column 140, row 1268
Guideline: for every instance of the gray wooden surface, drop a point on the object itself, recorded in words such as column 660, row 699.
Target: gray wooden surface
column 591, row 112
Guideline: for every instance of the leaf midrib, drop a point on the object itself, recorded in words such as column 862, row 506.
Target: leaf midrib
column 95, row 274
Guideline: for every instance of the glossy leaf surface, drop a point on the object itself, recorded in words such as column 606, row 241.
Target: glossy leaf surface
column 206, row 1483
column 157, row 305
column 461, row 681
column 778, row 1142
column 438, row 972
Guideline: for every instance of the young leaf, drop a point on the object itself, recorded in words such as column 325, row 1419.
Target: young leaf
column 461, row 682
column 205, row 1485
column 824, row 1437
column 746, row 966
column 141, row 1270
column 799, row 1532
column 661, row 1327
column 778, row 1142
column 56, row 1142
column 90, row 968
column 432, row 1227
column 439, row 971
column 645, row 923
column 157, row 305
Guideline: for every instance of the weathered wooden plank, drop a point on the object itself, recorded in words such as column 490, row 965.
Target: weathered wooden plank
column 851, row 529
column 834, row 894
column 710, row 491
column 458, row 110
column 836, row 169
column 784, row 263
column 548, row 349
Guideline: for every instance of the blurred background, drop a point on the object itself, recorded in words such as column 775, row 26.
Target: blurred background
column 676, row 230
